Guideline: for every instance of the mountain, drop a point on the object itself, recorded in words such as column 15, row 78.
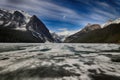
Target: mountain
column 110, row 33
column 58, row 38
column 88, row 28
column 18, row 26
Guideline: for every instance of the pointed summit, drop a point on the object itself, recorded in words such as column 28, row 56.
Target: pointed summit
column 39, row 30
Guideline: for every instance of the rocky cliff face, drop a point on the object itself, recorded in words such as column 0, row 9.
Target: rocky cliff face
column 21, row 22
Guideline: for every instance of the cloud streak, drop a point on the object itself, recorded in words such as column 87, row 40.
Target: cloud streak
column 65, row 31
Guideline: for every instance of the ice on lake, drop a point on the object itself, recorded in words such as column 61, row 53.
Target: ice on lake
column 36, row 61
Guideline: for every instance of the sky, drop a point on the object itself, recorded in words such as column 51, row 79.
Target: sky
column 67, row 16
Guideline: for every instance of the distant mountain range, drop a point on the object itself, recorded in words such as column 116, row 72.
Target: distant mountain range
column 18, row 26
column 109, row 33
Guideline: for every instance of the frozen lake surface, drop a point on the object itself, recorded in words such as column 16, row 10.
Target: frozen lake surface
column 59, row 61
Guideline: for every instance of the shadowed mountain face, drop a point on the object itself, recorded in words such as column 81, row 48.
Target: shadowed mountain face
column 18, row 26
column 108, row 34
column 84, row 31
column 11, row 35
column 38, row 29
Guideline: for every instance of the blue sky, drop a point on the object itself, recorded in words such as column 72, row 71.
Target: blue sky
column 67, row 16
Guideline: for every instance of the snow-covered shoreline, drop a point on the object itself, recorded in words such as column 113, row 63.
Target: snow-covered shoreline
column 59, row 61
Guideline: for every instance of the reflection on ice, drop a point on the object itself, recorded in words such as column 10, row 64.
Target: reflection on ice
column 59, row 61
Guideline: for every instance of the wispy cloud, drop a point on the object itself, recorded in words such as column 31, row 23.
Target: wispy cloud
column 44, row 9
column 65, row 31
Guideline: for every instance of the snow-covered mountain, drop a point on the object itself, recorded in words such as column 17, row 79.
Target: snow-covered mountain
column 109, row 22
column 58, row 38
column 14, row 18
column 22, row 21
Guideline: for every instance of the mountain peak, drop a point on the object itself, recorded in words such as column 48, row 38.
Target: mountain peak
column 17, row 13
column 89, row 24
column 35, row 19
column 38, row 29
column 90, row 27
column 34, row 16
